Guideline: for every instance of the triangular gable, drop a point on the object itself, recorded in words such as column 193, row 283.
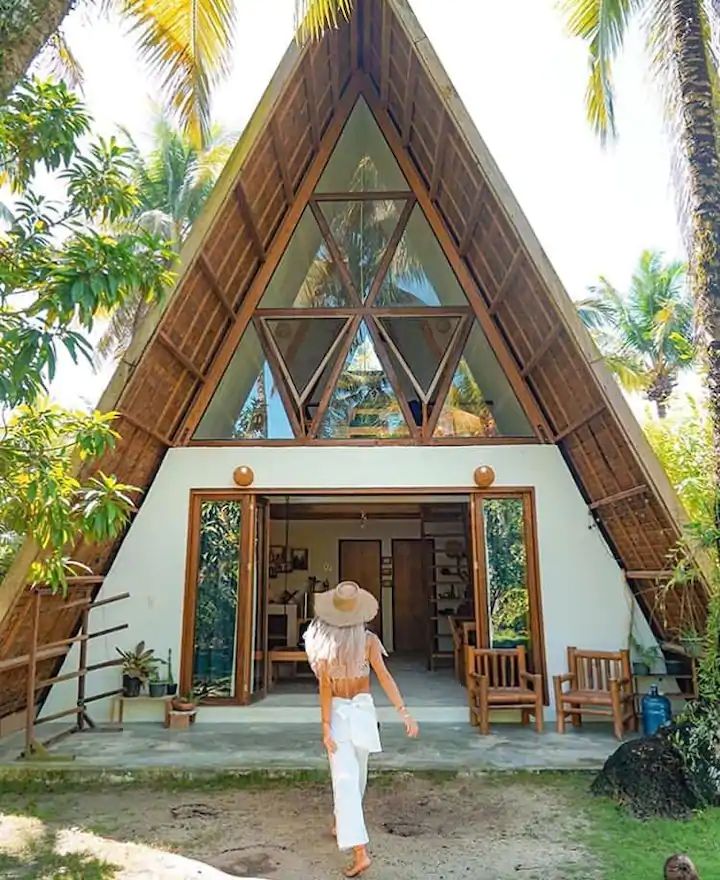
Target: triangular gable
column 165, row 381
column 363, row 330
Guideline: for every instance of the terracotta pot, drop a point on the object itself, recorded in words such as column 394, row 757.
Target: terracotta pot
column 181, row 705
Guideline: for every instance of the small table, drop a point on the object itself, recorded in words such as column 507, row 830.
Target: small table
column 118, row 704
column 285, row 655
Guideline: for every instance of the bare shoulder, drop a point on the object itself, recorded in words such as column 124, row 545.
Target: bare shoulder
column 375, row 647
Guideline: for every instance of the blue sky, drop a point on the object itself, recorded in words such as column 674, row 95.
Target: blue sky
column 523, row 81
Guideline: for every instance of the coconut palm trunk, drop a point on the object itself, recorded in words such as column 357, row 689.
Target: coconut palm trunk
column 25, row 27
column 700, row 146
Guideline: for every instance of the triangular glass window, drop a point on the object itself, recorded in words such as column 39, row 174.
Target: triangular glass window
column 246, row 404
column 303, row 344
column 362, row 159
column 363, row 404
column 419, row 273
column 363, row 230
column 421, row 343
column 306, row 276
column 480, row 401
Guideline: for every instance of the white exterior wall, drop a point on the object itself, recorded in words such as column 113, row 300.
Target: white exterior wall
column 585, row 599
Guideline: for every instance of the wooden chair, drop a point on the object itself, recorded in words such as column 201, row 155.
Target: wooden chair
column 600, row 684
column 462, row 630
column 498, row 679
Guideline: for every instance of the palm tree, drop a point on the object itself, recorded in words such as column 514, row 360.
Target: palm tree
column 188, row 44
column 680, row 55
column 173, row 182
column 648, row 336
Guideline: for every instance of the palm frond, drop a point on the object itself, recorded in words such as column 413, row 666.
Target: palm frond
column 602, row 25
column 188, row 44
column 62, row 62
column 312, row 17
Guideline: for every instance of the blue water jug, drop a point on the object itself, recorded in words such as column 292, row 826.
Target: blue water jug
column 656, row 711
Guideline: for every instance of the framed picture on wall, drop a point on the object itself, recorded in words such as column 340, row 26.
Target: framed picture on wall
column 278, row 557
column 299, row 558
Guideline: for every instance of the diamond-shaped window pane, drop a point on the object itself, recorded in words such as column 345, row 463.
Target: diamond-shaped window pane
column 419, row 273
column 363, row 230
column 363, row 403
column 362, row 159
column 306, row 276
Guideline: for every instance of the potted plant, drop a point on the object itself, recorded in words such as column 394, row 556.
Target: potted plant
column 184, row 703
column 645, row 658
column 171, row 685
column 137, row 666
column 156, row 687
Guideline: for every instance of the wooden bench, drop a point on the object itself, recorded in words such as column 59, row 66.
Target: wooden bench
column 285, row 655
column 600, row 684
column 497, row 678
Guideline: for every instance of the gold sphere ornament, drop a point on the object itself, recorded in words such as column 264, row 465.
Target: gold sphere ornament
column 243, row 475
column 484, row 476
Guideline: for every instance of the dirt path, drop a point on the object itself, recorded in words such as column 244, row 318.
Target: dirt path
column 474, row 828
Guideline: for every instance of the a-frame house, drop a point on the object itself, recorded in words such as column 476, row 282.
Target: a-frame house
column 363, row 317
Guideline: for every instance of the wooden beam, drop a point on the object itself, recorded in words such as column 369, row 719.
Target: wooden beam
column 266, row 269
column 311, row 99
column 212, row 280
column 408, row 99
column 288, row 188
column 649, row 575
column 180, row 356
column 387, row 257
column 438, row 157
column 467, row 282
column 385, row 54
column 619, row 496
column 579, row 422
column 542, row 350
column 505, row 283
column 471, row 221
column 336, row 253
column 364, row 195
column 151, row 432
column 249, row 218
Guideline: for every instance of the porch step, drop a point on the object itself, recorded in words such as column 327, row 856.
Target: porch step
column 268, row 714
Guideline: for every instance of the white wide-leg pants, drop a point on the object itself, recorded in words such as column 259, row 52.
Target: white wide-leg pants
column 353, row 725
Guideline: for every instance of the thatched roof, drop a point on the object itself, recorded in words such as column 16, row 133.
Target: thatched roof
column 164, row 381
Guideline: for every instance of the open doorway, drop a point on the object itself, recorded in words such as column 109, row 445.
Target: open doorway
column 256, row 561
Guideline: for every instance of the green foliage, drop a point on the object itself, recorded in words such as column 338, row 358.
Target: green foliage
column 683, row 443
column 40, row 123
column 40, row 494
column 139, row 663
column 58, row 267
column 647, row 336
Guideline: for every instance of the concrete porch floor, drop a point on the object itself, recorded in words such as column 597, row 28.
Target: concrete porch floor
column 223, row 746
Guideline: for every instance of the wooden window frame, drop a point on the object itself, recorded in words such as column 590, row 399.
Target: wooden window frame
column 532, row 564
column 243, row 611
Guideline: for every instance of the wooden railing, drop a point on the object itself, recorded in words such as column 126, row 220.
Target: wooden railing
column 39, row 652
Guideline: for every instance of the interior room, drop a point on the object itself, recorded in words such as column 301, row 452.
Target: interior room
column 411, row 554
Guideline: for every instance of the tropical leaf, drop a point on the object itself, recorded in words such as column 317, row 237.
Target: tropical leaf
column 312, row 17
column 61, row 61
column 603, row 25
column 188, row 44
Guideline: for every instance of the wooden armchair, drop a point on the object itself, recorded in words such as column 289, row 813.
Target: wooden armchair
column 600, row 684
column 498, row 679
column 463, row 631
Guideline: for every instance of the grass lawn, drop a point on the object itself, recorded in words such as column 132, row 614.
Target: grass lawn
column 537, row 826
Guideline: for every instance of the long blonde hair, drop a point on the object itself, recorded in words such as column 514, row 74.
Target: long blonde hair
column 336, row 651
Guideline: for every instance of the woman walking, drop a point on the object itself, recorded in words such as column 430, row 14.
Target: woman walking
column 341, row 653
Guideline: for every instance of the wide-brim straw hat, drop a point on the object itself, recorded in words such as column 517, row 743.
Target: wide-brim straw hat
column 346, row 605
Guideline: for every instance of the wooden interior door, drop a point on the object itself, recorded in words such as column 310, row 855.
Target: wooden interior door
column 360, row 561
column 411, row 607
